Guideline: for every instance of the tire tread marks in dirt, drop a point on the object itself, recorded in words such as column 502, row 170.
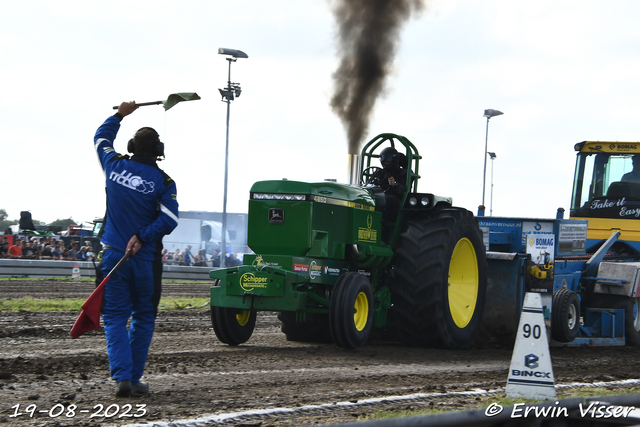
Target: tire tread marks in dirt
column 421, row 315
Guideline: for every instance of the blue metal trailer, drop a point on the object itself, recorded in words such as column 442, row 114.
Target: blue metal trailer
column 583, row 295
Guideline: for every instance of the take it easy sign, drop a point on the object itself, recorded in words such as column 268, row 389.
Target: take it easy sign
column 615, row 208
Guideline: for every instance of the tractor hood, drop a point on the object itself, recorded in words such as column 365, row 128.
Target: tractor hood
column 292, row 218
column 327, row 192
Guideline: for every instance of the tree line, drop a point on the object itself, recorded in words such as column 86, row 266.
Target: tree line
column 6, row 223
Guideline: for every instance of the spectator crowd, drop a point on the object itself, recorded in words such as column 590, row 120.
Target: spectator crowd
column 46, row 248
column 52, row 248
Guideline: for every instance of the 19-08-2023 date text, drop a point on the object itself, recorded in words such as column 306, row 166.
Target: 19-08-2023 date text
column 71, row 411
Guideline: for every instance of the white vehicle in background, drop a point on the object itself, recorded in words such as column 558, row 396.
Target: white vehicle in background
column 195, row 233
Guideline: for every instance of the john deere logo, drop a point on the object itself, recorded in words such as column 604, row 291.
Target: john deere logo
column 276, row 216
column 249, row 282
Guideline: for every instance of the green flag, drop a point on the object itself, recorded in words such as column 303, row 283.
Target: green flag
column 174, row 98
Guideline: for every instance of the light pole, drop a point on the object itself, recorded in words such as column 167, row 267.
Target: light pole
column 493, row 157
column 488, row 114
column 229, row 93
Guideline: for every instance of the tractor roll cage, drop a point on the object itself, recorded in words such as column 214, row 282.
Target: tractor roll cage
column 410, row 152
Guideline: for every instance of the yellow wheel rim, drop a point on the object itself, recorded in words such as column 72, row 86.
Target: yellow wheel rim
column 463, row 282
column 361, row 311
column 243, row 317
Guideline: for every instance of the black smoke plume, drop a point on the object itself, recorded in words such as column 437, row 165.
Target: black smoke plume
column 368, row 33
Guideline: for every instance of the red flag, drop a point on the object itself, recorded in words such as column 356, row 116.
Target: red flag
column 89, row 319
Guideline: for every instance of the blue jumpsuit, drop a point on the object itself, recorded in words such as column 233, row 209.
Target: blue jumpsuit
column 141, row 200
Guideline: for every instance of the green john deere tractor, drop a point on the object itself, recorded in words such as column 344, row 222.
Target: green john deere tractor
column 334, row 269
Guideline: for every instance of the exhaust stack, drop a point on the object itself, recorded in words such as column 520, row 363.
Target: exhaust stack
column 353, row 168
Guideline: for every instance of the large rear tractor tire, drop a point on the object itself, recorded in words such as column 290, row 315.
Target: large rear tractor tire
column 565, row 315
column 631, row 307
column 315, row 329
column 632, row 321
column 233, row 326
column 441, row 280
column 351, row 311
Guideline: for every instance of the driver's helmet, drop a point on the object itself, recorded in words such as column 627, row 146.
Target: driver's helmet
column 389, row 158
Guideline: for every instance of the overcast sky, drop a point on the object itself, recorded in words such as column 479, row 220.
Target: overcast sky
column 561, row 71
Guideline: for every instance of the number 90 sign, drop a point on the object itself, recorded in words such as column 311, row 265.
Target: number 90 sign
column 529, row 331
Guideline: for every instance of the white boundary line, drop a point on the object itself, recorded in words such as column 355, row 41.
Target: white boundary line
column 220, row 418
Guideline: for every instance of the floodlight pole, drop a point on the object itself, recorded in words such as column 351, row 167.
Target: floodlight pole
column 223, row 244
column 488, row 114
column 227, row 96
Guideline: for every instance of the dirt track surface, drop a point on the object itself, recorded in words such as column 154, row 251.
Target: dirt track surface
column 193, row 375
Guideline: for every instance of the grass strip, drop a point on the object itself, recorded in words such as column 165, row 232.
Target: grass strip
column 29, row 303
column 85, row 279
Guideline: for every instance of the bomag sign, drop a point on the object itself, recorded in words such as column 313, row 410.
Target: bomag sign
column 609, row 147
column 623, row 147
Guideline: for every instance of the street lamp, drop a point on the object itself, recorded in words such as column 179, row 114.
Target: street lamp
column 493, row 157
column 229, row 93
column 488, row 114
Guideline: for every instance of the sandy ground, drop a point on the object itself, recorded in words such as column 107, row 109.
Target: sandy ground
column 192, row 374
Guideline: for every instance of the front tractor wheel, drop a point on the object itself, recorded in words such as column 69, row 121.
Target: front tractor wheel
column 233, row 326
column 439, row 294
column 351, row 311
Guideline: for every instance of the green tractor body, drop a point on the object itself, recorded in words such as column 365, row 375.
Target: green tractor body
column 332, row 267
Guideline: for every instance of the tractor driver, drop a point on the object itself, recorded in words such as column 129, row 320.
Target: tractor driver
column 392, row 179
column 634, row 175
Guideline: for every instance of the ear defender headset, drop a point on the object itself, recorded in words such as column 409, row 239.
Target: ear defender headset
column 158, row 146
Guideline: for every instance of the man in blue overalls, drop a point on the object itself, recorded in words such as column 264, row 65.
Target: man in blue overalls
column 141, row 208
